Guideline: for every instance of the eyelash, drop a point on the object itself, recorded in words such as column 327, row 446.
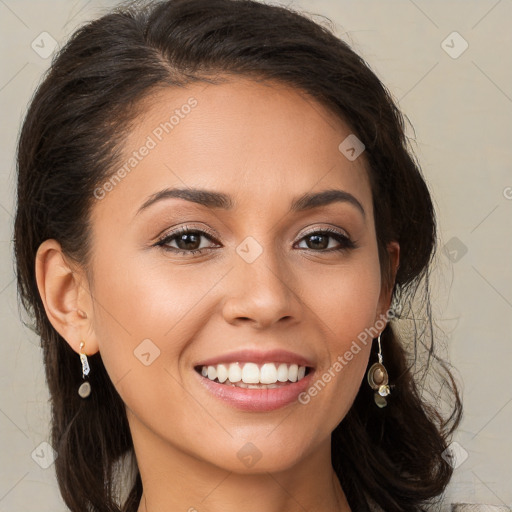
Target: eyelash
column 345, row 242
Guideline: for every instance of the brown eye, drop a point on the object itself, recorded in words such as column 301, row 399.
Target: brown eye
column 319, row 241
column 188, row 241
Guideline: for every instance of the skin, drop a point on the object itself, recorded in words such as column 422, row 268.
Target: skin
column 263, row 144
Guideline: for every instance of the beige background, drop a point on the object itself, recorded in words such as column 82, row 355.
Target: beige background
column 461, row 110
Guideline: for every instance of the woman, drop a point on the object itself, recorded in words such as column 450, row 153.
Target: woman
column 220, row 231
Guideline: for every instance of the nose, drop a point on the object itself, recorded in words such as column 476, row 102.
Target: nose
column 261, row 292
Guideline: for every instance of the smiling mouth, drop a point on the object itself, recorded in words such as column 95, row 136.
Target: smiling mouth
column 254, row 376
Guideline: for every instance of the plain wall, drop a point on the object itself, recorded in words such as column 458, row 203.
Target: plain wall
column 461, row 110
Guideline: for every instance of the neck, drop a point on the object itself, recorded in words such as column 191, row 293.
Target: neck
column 175, row 480
column 229, row 492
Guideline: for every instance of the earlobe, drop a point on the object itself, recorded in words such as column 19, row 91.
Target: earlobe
column 387, row 287
column 394, row 257
column 63, row 297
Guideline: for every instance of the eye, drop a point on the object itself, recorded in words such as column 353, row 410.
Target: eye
column 320, row 240
column 188, row 241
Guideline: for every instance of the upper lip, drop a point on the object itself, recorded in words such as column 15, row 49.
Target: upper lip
column 258, row 356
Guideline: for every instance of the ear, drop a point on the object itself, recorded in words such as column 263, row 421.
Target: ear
column 66, row 298
column 393, row 249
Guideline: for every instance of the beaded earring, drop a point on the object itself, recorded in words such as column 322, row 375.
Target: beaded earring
column 378, row 380
column 85, row 388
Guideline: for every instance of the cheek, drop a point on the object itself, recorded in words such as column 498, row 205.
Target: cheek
column 145, row 316
column 141, row 300
column 347, row 305
column 147, row 319
column 347, row 298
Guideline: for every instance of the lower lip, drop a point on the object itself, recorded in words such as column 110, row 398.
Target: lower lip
column 257, row 400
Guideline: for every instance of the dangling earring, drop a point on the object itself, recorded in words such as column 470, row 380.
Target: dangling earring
column 378, row 380
column 85, row 388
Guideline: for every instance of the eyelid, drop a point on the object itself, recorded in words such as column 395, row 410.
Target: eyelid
column 342, row 237
column 186, row 227
column 329, row 229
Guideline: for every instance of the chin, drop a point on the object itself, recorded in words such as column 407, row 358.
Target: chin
column 259, row 455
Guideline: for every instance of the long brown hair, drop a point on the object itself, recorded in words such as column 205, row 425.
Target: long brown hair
column 70, row 143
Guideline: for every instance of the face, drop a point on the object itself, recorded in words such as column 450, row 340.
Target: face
column 253, row 279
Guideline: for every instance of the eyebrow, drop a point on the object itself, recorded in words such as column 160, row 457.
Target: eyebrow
column 220, row 200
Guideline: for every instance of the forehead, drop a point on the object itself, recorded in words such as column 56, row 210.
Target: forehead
column 261, row 142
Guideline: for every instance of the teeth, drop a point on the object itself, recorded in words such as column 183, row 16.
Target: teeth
column 212, row 372
column 222, row 373
column 282, row 373
column 252, row 376
column 234, row 373
column 268, row 374
column 250, row 373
